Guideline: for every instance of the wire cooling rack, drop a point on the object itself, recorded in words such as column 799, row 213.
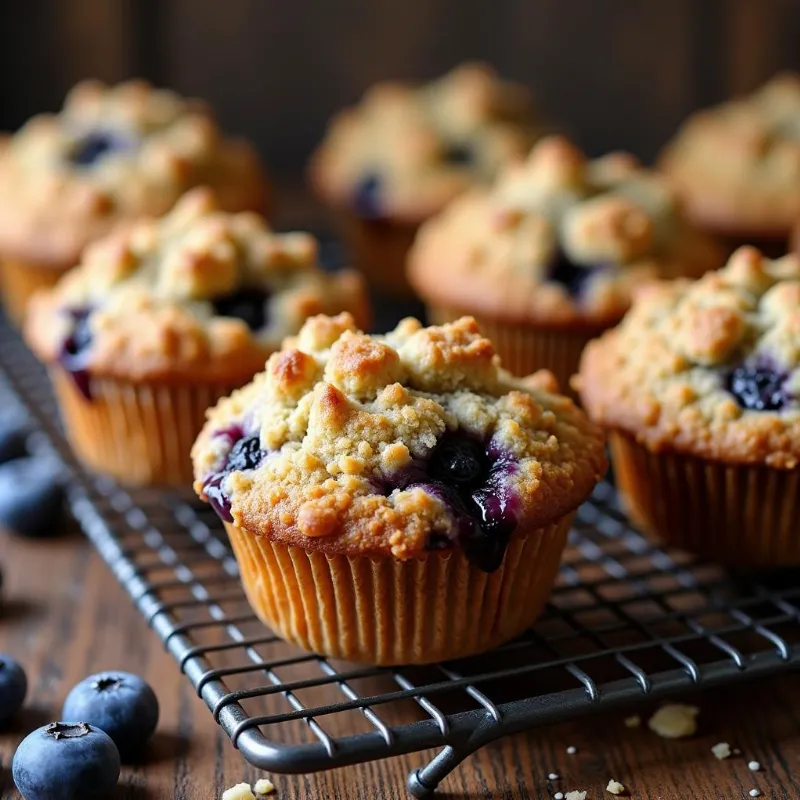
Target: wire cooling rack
column 627, row 622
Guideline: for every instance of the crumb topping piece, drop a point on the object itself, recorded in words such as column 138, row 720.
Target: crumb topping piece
column 198, row 290
column 241, row 791
column 263, row 787
column 397, row 444
column 559, row 239
column 576, row 795
column 721, row 751
column 710, row 368
column 405, row 151
column 674, row 721
column 615, row 787
column 113, row 153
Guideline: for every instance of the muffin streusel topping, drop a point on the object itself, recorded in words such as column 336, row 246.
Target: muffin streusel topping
column 197, row 292
column 113, row 153
column 403, row 152
column 738, row 163
column 410, row 441
column 559, row 240
column 710, row 368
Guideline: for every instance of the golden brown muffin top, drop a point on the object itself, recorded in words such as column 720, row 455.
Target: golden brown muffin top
column 558, row 240
column 405, row 151
column 738, row 164
column 199, row 293
column 395, row 444
column 113, row 153
column 710, row 368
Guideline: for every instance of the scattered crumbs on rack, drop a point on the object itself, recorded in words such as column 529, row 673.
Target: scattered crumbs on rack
column 753, row 766
column 575, row 795
column 633, row 721
column 674, row 721
column 755, row 793
column 263, row 787
column 558, row 796
column 553, row 777
column 615, row 787
column 241, row 791
column 571, row 750
column 737, row 751
column 721, row 750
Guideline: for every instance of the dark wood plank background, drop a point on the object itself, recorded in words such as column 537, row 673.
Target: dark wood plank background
column 621, row 73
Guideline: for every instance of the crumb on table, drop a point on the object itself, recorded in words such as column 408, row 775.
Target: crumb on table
column 615, row 787
column 634, row 721
column 721, row 750
column 576, row 795
column 753, row 766
column 674, row 721
column 241, row 791
column 263, row 787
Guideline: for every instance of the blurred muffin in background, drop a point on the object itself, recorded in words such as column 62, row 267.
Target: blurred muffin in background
column 400, row 155
column 550, row 256
column 111, row 154
column 162, row 318
column 737, row 165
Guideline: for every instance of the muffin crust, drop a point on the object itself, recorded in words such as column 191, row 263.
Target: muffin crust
column 113, row 153
column 160, row 296
column 559, row 240
column 421, row 146
column 710, row 368
column 738, row 164
column 341, row 417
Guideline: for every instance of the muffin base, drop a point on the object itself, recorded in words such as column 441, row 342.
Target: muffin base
column 138, row 433
column 378, row 249
column 737, row 515
column 386, row 611
column 523, row 349
column 20, row 280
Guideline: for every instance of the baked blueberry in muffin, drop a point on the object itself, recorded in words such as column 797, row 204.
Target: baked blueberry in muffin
column 384, row 476
column 111, row 155
column 169, row 314
column 704, row 409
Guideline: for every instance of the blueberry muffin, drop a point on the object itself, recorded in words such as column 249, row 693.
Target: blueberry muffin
column 699, row 388
column 398, row 157
column 549, row 256
column 396, row 499
column 738, row 165
column 110, row 155
column 164, row 317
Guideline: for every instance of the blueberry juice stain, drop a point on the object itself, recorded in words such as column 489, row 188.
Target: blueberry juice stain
column 473, row 481
column 245, row 453
column 75, row 350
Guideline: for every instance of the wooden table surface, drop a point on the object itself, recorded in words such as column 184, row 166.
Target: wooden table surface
column 65, row 617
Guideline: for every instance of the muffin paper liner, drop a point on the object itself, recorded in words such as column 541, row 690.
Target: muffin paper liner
column 378, row 249
column 524, row 349
column 738, row 515
column 385, row 611
column 19, row 281
column 139, row 433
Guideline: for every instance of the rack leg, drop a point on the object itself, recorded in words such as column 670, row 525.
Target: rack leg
column 423, row 782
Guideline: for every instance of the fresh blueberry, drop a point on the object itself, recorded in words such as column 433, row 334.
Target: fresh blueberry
column 121, row 704
column 74, row 353
column 570, row 275
column 246, row 453
column 13, row 439
column 66, row 761
column 94, row 145
column 459, row 154
column 367, row 197
column 31, row 497
column 13, row 687
column 758, row 388
column 249, row 305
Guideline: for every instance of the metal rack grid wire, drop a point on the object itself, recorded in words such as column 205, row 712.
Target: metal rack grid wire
column 627, row 622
